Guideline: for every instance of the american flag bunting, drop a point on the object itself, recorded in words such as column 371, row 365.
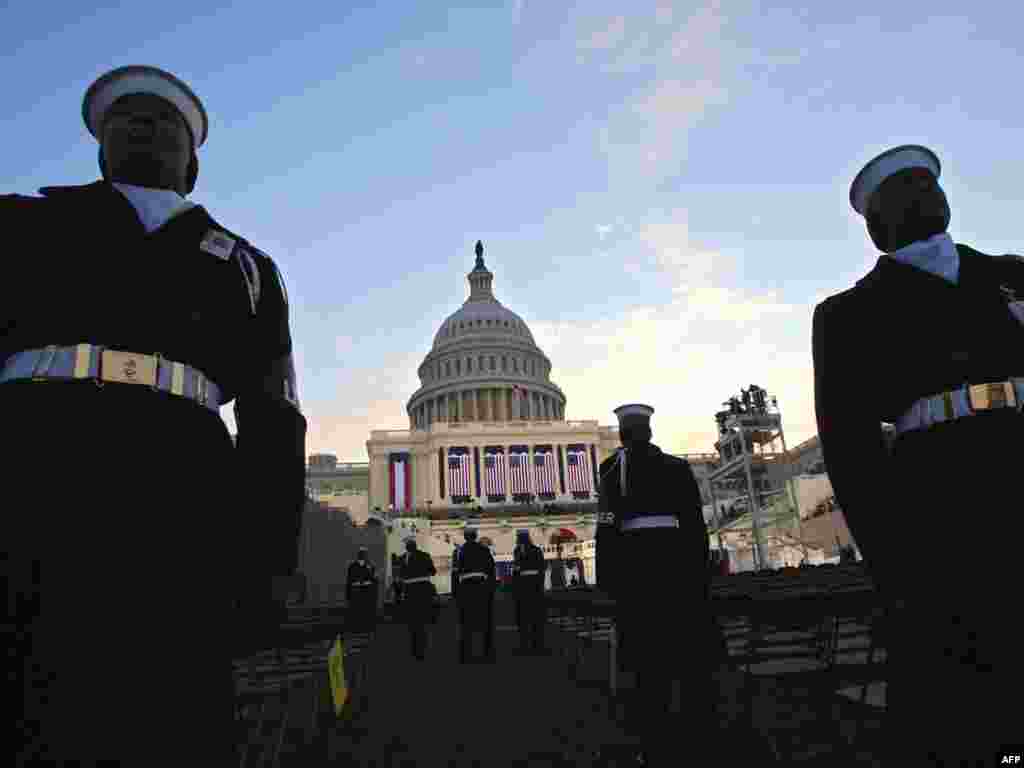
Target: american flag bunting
column 545, row 471
column 494, row 474
column 519, row 471
column 578, row 471
column 458, row 474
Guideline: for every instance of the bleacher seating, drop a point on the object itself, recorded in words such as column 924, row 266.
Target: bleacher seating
column 813, row 626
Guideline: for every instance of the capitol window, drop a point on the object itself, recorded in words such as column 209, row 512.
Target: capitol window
column 458, row 367
column 504, row 363
column 515, row 365
column 469, row 364
column 492, row 362
column 447, row 369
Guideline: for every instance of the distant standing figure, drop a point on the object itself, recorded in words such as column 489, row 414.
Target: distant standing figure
column 529, row 590
column 475, row 596
column 663, row 558
column 418, row 602
column 361, row 594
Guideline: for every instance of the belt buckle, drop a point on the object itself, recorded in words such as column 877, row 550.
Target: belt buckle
column 987, row 397
column 128, row 368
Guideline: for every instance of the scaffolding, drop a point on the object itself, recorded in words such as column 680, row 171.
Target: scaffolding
column 749, row 435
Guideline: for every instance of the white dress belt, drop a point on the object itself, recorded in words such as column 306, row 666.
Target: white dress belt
column 99, row 364
column 417, row 578
column 529, row 573
column 966, row 400
column 474, row 575
column 362, row 583
column 651, row 521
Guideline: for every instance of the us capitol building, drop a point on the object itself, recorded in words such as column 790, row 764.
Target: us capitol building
column 486, row 403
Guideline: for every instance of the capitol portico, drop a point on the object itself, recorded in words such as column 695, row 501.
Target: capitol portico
column 485, row 391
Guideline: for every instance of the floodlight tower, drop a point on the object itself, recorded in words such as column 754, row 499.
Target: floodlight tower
column 748, row 429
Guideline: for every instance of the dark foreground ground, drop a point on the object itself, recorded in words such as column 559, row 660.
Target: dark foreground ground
column 534, row 711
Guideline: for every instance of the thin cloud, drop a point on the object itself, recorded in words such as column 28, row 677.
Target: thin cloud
column 607, row 36
column 645, row 139
column 686, row 356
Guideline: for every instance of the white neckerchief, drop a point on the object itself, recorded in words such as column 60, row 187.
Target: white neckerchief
column 155, row 207
column 937, row 254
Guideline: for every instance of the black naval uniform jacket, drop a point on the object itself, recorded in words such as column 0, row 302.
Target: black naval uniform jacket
column 658, row 484
column 899, row 335
column 474, row 557
column 474, row 595
column 529, row 558
column 418, row 597
column 359, row 573
column 85, row 270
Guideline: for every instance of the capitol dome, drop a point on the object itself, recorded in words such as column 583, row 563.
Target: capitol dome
column 484, row 365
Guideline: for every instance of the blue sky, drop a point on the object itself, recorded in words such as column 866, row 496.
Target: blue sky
column 662, row 191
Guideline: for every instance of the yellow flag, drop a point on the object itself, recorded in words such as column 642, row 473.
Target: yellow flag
column 336, row 668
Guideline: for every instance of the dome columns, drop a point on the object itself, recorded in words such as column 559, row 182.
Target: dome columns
column 490, row 404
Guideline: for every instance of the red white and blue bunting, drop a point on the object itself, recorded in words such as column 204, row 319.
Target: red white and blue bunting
column 519, row 469
column 578, row 469
column 458, row 473
column 399, row 481
column 494, row 472
column 545, row 469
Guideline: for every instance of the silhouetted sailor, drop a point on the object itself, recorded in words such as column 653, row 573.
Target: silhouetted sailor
column 661, row 559
column 361, row 594
column 931, row 341
column 127, row 319
column 418, row 600
column 475, row 596
column 528, row 570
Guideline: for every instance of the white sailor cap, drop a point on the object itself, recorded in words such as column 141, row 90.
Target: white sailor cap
column 142, row 79
column 885, row 165
column 633, row 413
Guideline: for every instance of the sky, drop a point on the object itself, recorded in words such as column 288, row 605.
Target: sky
column 661, row 188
